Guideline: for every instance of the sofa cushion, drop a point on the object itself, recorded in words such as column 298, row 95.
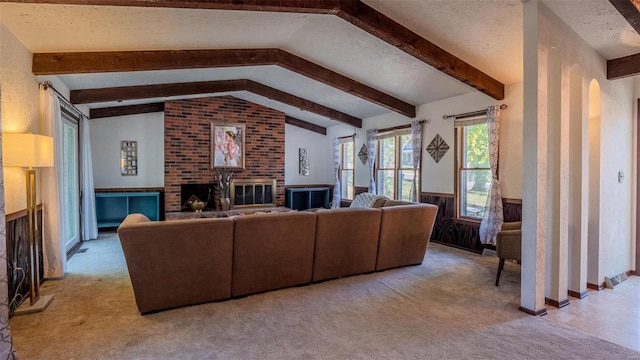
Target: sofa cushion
column 367, row 200
column 346, row 242
column 272, row 251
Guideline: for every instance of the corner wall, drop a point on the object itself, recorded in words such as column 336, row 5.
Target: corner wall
column 106, row 134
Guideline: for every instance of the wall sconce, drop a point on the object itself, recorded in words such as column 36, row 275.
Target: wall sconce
column 30, row 151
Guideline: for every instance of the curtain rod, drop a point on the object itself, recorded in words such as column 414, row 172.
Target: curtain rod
column 348, row 136
column 48, row 84
column 471, row 114
column 401, row 126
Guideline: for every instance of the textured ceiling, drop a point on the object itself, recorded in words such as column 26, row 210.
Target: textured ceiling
column 486, row 34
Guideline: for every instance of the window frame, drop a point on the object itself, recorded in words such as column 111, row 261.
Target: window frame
column 459, row 146
column 343, row 141
column 397, row 167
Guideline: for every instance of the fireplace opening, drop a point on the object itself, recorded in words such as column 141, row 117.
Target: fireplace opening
column 197, row 192
column 253, row 193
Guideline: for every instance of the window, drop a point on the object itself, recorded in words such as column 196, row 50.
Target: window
column 473, row 177
column 347, row 153
column 395, row 174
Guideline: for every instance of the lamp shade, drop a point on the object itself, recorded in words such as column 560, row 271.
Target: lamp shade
column 27, row 150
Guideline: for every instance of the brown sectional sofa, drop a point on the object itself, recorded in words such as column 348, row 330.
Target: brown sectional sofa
column 186, row 262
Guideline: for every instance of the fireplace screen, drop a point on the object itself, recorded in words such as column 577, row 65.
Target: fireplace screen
column 253, row 193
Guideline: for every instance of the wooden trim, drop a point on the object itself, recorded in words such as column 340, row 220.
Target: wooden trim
column 307, row 185
column 137, row 189
column 470, row 222
column 20, row 213
column 623, row 67
column 540, row 312
column 305, row 125
column 87, row 96
column 355, row 12
column 444, row 195
column 637, row 271
column 631, row 273
column 72, row 115
column 119, row 61
column 555, row 303
column 512, row 201
column 99, row 113
column 595, row 286
column 579, row 295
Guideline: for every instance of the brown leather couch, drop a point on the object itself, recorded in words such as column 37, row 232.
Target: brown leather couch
column 186, row 262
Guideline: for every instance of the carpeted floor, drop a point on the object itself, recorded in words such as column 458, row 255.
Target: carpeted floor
column 446, row 308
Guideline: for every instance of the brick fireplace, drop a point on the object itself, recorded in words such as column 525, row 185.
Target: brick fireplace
column 187, row 142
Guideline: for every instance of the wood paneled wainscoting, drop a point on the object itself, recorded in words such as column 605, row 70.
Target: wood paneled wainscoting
column 459, row 233
column 463, row 233
column 17, row 262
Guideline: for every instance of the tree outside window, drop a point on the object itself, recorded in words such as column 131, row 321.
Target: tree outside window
column 394, row 175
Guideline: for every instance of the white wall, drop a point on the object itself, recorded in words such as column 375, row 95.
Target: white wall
column 19, row 108
column 106, row 134
column 320, row 153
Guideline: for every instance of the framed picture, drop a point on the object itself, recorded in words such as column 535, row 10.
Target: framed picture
column 227, row 146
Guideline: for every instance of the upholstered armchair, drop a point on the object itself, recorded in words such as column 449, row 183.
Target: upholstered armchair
column 508, row 244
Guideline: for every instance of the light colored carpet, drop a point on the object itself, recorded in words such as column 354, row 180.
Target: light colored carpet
column 446, row 308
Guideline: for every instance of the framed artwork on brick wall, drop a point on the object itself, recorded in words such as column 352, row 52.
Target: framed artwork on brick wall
column 227, row 146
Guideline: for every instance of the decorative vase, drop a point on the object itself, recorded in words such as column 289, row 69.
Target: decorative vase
column 225, row 204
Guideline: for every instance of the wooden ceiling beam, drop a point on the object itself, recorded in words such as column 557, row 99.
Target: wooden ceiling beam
column 305, row 125
column 302, row 104
column 623, row 67
column 119, row 61
column 353, row 11
column 630, row 11
column 122, row 93
column 99, row 113
column 88, row 96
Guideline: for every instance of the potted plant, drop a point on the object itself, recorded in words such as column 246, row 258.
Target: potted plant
column 224, row 178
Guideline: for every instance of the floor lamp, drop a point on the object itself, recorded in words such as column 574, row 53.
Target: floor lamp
column 30, row 151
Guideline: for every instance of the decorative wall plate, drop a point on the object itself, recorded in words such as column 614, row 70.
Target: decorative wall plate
column 363, row 155
column 437, row 148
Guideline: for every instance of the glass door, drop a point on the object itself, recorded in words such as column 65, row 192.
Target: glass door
column 71, row 190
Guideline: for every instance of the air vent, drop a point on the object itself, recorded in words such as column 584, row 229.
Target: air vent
column 612, row 282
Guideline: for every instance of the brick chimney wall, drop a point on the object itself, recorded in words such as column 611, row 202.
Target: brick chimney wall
column 187, row 143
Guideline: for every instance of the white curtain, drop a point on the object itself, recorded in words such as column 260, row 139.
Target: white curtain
column 88, row 204
column 335, row 202
column 55, row 256
column 372, row 147
column 6, row 345
column 493, row 216
column 416, row 145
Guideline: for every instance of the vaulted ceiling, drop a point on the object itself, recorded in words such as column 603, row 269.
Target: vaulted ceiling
column 323, row 62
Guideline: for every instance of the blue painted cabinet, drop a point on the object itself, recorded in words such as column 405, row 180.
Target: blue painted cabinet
column 306, row 198
column 113, row 207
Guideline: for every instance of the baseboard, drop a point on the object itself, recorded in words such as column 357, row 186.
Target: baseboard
column 579, row 295
column 540, row 312
column 555, row 303
column 631, row 272
column 595, row 287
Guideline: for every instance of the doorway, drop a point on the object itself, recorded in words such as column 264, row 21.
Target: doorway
column 71, row 189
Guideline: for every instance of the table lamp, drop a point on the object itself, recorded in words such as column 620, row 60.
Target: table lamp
column 30, row 151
